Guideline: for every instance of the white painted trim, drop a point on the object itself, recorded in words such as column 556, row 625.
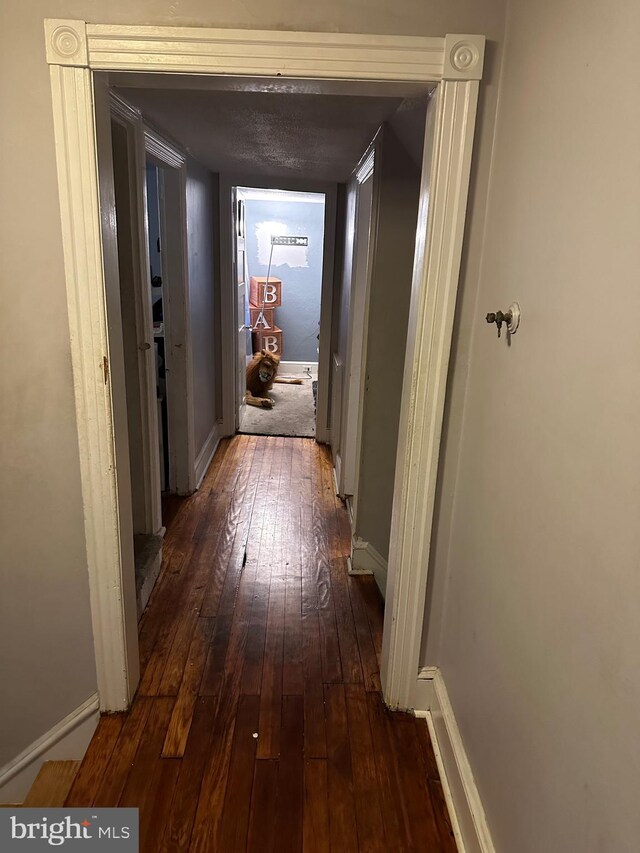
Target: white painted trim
column 68, row 739
column 206, row 454
column 366, row 165
column 74, row 127
column 366, row 560
column 468, row 819
column 298, row 368
column 264, row 53
column 337, row 468
column 73, row 50
column 156, row 145
column 441, row 216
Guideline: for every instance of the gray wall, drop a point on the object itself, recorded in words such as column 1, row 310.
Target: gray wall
column 201, row 216
column 46, row 654
column 299, row 314
column 396, row 192
column 536, row 571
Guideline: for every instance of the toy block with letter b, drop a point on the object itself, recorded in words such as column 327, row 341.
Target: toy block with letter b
column 263, row 292
column 267, row 339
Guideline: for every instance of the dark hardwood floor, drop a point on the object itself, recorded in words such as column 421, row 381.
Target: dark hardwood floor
column 258, row 724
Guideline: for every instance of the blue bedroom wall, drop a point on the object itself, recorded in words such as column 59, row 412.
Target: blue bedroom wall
column 299, row 268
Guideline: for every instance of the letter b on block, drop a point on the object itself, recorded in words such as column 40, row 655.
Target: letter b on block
column 270, row 294
column 270, row 343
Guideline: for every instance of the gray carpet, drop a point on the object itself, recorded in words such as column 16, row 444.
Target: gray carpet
column 292, row 413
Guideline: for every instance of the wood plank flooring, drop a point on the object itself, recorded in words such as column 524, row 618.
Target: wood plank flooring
column 258, row 724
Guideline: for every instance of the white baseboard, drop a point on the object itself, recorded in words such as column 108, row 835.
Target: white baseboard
column 206, row 454
column 68, row 740
column 468, row 820
column 365, row 560
column 299, row 368
column 337, row 471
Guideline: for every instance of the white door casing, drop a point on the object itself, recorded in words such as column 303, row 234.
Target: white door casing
column 74, row 49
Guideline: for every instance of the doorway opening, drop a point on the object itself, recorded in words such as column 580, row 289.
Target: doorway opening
column 453, row 66
column 280, row 289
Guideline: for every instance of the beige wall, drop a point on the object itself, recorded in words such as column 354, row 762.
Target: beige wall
column 537, row 568
column 46, row 657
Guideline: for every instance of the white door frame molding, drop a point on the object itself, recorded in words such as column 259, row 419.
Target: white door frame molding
column 75, row 49
column 229, row 303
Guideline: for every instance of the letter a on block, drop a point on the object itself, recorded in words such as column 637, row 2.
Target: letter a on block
column 261, row 322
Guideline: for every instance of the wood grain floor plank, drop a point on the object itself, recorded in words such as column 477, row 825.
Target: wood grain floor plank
column 342, row 819
column 143, row 779
column 371, row 834
column 179, row 824
column 52, row 784
column 259, row 538
column 368, row 657
column 208, row 816
column 393, row 813
column 262, row 836
column 290, row 806
column 412, row 782
column 443, row 822
column 319, row 576
column 119, row 767
column 315, row 738
column 273, row 663
column 338, row 552
column 182, row 715
column 426, row 748
column 96, row 761
column 316, row 837
column 237, row 805
column 292, row 674
column 374, row 606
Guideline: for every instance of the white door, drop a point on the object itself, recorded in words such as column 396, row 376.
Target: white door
column 244, row 329
column 357, row 342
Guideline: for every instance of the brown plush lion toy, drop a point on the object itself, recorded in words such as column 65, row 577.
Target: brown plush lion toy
column 262, row 372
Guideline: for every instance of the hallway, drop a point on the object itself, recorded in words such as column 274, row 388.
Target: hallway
column 258, row 723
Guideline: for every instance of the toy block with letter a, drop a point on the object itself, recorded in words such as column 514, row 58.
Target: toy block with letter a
column 261, row 318
column 263, row 292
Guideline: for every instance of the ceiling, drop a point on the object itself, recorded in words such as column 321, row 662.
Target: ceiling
column 314, row 130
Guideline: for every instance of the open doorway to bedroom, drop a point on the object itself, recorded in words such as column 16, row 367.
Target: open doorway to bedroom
column 280, row 250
